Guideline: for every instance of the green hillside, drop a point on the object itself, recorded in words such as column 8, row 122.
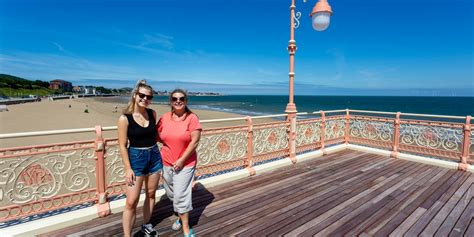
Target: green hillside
column 12, row 86
column 6, row 92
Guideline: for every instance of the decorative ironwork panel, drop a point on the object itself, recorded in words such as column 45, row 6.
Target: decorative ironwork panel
column 114, row 169
column 373, row 130
column 221, row 147
column 334, row 129
column 431, row 137
column 308, row 133
column 34, row 177
column 269, row 139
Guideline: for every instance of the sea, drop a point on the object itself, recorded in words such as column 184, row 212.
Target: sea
column 275, row 104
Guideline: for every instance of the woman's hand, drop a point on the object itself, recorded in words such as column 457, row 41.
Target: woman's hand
column 130, row 177
column 178, row 165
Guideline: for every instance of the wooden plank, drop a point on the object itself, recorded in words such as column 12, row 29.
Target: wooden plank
column 424, row 220
column 314, row 183
column 256, row 194
column 343, row 223
column 302, row 208
column 429, row 188
column 158, row 210
column 416, row 215
column 330, row 216
column 243, row 216
column 464, row 221
column 320, row 163
column 372, row 222
column 437, row 221
column 346, row 193
column 276, row 184
column 470, row 229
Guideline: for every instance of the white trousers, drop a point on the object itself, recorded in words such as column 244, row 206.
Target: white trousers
column 178, row 187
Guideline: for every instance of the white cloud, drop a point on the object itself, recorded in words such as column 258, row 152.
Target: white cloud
column 160, row 40
column 60, row 48
column 50, row 66
column 267, row 72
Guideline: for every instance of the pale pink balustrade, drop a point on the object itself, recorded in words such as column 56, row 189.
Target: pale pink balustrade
column 38, row 179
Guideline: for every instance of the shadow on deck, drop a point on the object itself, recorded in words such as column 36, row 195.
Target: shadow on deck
column 345, row 193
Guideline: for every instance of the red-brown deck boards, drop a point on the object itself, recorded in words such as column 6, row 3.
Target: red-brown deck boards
column 345, row 193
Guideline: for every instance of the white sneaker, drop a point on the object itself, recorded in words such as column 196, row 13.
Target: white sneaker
column 148, row 230
column 176, row 225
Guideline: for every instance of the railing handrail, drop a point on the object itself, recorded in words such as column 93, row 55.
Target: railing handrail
column 111, row 128
column 410, row 114
column 42, row 133
column 242, row 118
column 372, row 112
column 331, row 111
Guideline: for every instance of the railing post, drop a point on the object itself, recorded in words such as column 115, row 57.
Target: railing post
column 347, row 130
column 323, row 131
column 396, row 136
column 466, row 144
column 103, row 206
column 292, row 136
column 249, row 159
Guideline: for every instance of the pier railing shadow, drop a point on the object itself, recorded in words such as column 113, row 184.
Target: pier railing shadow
column 163, row 210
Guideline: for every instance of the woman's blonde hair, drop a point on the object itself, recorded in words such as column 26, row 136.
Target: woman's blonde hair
column 131, row 103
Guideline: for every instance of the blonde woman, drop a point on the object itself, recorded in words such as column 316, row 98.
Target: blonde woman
column 141, row 157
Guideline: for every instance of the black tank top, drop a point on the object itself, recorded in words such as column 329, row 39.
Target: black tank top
column 140, row 136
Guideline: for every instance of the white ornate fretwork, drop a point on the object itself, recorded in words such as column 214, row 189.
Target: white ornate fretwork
column 308, row 133
column 334, row 129
column 215, row 148
column 33, row 177
column 269, row 139
column 379, row 131
column 432, row 137
column 114, row 168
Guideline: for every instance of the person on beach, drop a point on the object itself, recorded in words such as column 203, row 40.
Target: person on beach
column 179, row 131
column 142, row 159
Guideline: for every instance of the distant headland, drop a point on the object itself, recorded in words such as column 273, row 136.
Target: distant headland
column 13, row 87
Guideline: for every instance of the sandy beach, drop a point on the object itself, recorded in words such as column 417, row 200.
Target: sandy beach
column 69, row 114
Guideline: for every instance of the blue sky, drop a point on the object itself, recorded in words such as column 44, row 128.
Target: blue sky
column 372, row 47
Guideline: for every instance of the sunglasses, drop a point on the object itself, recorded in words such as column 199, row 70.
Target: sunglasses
column 174, row 99
column 148, row 97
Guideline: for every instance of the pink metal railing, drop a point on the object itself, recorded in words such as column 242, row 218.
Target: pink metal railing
column 37, row 179
column 426, row 135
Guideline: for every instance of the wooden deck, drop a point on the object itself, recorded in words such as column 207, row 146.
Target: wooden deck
column 346, row 193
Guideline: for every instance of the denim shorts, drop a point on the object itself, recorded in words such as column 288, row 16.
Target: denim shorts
column 145, row 161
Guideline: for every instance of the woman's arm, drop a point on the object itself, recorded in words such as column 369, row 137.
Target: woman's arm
column 195, row 136
column 122, row 142
column 158, row 124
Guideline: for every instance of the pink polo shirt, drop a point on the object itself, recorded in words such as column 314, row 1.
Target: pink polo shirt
column 176, row 136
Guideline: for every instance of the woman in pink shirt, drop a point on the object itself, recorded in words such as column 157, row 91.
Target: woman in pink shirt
column 179, row 131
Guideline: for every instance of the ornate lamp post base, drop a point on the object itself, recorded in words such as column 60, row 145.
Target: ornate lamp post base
column 290, row 108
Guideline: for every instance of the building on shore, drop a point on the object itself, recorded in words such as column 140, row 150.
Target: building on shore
column 76, row 89
column 60, row 84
